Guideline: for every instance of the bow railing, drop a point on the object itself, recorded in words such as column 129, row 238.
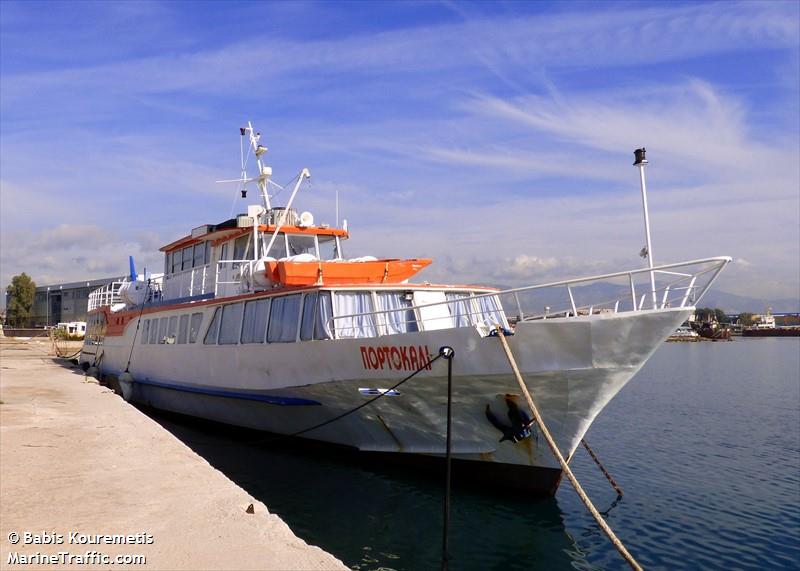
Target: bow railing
column 678, row 285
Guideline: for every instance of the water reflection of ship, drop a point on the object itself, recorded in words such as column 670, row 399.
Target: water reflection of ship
column 393, row 519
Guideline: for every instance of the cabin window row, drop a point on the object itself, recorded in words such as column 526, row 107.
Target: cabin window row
column 272, row 320
column 180, row 329
column 188, row 258
column 344, row 315
column 320, row 247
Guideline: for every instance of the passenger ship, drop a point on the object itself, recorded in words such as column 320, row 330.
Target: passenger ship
column 261, row 321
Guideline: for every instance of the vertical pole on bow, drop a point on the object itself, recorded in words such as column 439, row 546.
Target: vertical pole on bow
column 640, row 162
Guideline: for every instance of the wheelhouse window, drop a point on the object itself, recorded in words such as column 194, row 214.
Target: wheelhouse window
column 199, row 258
column 188, row 258
column 328, row 248
column 254, row 324
column 301, row 244
column 278, row 249
column 283, row 319
column 176, row 261
column 186, row 255
column 348, row 306
column 317, row 310
column 398, row 316
column 241, row 247
column 231, row 324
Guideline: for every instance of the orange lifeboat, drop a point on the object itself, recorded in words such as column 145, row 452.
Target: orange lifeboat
column 387, row 271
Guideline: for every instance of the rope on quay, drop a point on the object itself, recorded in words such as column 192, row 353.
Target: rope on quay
column 57, row 349
column 557, row 453
column 602, row 468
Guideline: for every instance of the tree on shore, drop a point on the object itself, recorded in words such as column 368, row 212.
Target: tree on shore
column 745, row 318
column 711, row 314
column 21, row 293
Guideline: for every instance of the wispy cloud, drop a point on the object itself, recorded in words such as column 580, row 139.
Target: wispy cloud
column 498, row 144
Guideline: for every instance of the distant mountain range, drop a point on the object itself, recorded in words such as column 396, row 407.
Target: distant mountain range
column 557, row 299
column 732, row 303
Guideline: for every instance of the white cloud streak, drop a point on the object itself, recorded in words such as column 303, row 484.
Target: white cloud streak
column 412, row 125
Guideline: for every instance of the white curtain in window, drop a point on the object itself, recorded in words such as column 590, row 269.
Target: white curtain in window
column 324, row 313
column 183, row 328
column 213, row 329
column 399, row 317
column 283, row 319
column 316, row 313
column 254, row 326
column 231, row 324
column 145, row 332
column 355, row 326
column 162, row 330
column 153, row 331
column 491, row 310
column 461, row 309
column 194, row 326
column 172, row 330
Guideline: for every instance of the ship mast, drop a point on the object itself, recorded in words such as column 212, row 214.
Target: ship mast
column 264, row 172
column 640, row 162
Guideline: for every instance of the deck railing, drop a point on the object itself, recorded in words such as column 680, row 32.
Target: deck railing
column 632, row 289
column 191, row 282
column 108, row 295
column 228, row 277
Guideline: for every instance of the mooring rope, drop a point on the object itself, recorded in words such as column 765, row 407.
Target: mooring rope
column 57, row 349
column 557, row 453
column 279, row 437
column 138, row 324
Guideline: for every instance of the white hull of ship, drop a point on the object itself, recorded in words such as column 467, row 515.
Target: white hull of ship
column 573, row 367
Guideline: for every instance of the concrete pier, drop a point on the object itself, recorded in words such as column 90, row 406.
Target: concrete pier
column 94, row 477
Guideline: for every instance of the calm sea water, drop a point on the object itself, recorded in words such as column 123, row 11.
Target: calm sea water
column 705, row 442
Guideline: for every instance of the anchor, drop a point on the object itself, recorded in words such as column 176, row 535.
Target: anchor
column 521, row 421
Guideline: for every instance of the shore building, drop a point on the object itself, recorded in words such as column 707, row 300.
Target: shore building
column 64, row 302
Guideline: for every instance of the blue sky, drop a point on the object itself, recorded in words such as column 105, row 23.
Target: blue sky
column 495, row 137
